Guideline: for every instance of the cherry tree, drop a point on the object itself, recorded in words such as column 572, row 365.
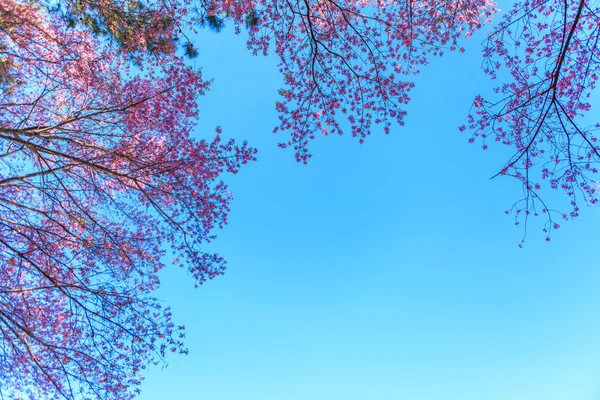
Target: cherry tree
column 351, row 62
column 98, row 173
column 547, row 55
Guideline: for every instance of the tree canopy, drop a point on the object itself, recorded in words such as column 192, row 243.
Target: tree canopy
column 100, row 173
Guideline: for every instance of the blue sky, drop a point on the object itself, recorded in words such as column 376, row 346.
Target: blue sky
column 386, row 270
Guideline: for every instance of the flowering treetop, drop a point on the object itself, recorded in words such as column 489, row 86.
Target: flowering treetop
column 99, row 170
column 549, row 53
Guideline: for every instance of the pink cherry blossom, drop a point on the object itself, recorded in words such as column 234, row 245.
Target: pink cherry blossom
column 545, row 53
column 99, row 173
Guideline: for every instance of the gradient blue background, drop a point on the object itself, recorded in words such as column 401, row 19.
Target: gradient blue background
column 381, row 271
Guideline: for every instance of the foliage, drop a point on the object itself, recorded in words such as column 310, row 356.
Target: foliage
column 99, row 169
column 98, row 172
column 550, row 49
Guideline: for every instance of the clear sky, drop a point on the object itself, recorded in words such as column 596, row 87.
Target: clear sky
column 379, row 271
